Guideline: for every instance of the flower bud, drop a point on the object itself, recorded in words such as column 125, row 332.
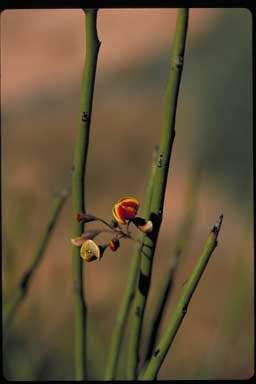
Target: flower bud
column 114, row 244
column 143, row 225
column 85, row 217
column 88, row 235
column 146, row 228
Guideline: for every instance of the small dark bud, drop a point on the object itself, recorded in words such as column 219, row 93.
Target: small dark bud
column 85, row 217
column 114, row 244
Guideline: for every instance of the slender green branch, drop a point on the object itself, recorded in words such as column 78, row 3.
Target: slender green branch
column 20, row 293
column 229, row 323
column 157, row 203
column 78, row 185
column 162, row 297
column 130, row 288
column 189, row 287
column 181, row 244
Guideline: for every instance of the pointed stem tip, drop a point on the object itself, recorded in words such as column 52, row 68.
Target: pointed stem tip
column 217, row 225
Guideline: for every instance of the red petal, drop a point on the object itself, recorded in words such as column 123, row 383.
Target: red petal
column 114, row 244
column 129, row 203
column 120, row 212
column 130, row 213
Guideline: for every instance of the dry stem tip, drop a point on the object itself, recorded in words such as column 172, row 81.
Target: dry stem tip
column 217, row 225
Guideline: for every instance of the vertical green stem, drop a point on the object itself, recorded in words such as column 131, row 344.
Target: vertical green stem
column 78, row 185
column 181, row 244
column 130, row 288
column 157, row 203
column 161, row 350
column 162, row 297
column 20, row 293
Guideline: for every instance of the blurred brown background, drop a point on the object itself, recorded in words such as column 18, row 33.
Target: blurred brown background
column 42, row 55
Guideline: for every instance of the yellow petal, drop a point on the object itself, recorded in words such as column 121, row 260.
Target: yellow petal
column 116, row 216
column 90, row 251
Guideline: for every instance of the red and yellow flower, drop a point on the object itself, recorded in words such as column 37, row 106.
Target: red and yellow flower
column 124, row 212
column 125, row 209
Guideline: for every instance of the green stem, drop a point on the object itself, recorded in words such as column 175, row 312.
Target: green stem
column 181, row 244
column 21, row 291
column 162, row 298
column 229, row 324
column 130, row 288
column 78, row 186
column 189, row 287
column 157, row 203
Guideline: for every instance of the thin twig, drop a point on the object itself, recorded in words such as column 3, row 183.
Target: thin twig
column 117, row 230
column 78, row 187
column 20, row 293
column 160, row 181
column 229, row 323
column 151, row 371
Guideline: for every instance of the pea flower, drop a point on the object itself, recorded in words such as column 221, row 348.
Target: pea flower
column 125, row 210
column 91, row 251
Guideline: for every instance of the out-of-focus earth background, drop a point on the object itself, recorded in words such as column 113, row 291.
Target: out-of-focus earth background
column 42, row 56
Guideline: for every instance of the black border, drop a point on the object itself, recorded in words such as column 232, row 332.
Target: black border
column 108, row 4
column 12, row 4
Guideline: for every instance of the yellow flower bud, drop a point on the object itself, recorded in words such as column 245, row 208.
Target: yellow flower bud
column 90, row 251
